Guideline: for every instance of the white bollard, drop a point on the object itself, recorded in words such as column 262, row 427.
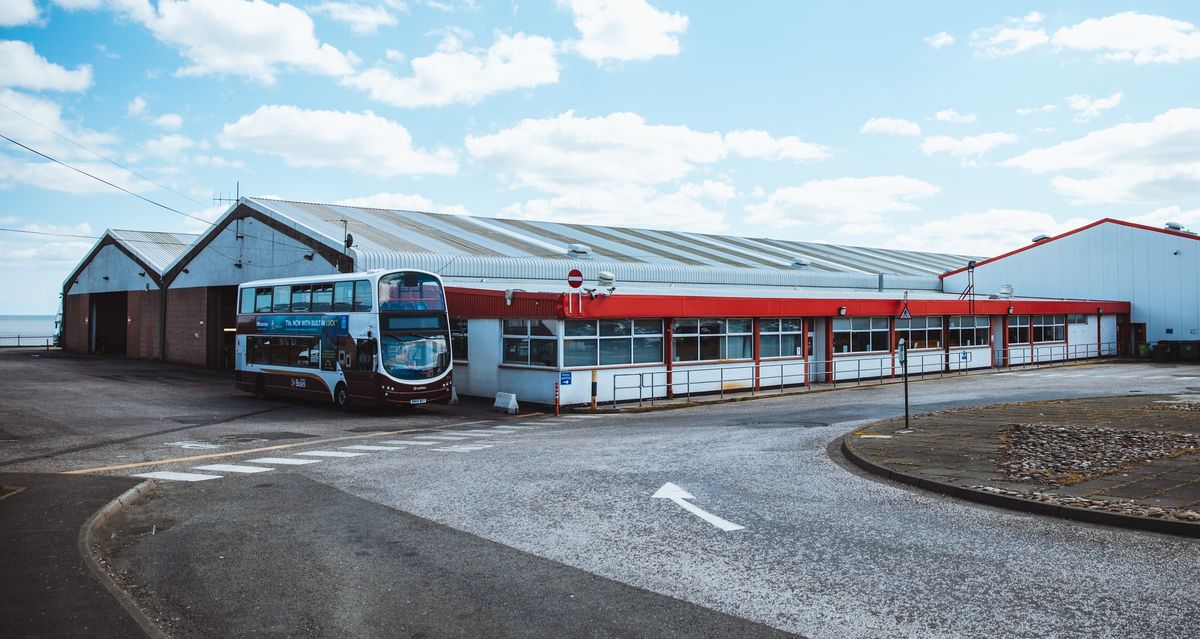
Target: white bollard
column 453, row 395
column 506, row 403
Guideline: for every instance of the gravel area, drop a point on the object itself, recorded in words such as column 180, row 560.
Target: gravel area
column 1121, row 506
column 1061, row 455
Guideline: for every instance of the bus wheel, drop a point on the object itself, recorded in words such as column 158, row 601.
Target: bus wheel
column 341, row 398
column 260, row 387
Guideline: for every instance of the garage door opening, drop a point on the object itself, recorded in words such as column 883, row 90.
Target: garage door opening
column 108, row 324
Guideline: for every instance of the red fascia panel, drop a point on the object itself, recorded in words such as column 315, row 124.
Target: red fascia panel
column 1107, row 220
column 483, row 303
column 623, row 306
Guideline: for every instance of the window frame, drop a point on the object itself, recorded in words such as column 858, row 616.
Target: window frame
column 459, row 334
column 1016, row 325
column 955, row 333
column 871, row 330
column 530, row 341
column 1056, row 325
column 767, row 334
column 639, row 330
column 704, row 341
column 924, row 330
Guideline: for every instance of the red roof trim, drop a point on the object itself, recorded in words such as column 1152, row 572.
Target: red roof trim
column 1107, row 220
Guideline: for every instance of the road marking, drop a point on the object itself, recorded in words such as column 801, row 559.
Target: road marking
column 192, row 444
column 286, row 461
column 234, row 468
column 365, row 447
column 525, row 427
column 474, row 433
column 583, row 416
column 679, row 496
column 462, row 448
column 441, row 438
column 330, row 453
column 875, row 436
column 170, row 476
column 407, row 442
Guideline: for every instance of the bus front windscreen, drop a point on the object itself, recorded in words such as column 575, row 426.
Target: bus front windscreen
column 412, row 356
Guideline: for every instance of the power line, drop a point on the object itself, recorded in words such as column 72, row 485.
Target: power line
column 99, row 179
column 128, row 240
column 102, row 156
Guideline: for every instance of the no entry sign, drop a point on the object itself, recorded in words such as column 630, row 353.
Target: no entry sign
column 575, row 278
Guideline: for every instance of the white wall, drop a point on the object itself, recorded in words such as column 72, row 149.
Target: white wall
column 1158, row 273
column 264, row 253
column 121, row 270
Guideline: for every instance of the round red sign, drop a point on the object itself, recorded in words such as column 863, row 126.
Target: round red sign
column 575, row 278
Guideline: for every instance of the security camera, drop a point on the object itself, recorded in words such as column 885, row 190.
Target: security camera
column 606, row 280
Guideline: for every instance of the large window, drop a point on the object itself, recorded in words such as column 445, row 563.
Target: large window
column 1077, row 318
column 297, row 352
column 339, row 297
column 712, row 339
column 1049, row 328
column 920, row 332
column 781, row 337
column 1018, row 329
column 860, row 334
column 410, row 291
column 612, row 342
column 969, row 330
column 530, row 343
column 458, row 339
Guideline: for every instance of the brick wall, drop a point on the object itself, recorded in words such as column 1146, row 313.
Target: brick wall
column 186, row 331
column 142, row 336
column 75, row 322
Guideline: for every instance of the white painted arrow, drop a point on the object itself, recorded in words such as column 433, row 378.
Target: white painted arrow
column 679, row 495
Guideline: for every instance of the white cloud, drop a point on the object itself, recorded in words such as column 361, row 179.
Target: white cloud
column 693, row 207
column 50, row 115
column 22, row 67
column 249, row 38
column 168, row 147
column 950, row 115
column 1155, row 161
column 1013, row 36
column 1089, row 107
column 624, row 30
column 453, row 75
column 404, row 202
column 939, row 40
column 14, row 13
column 568, row 151
column 969, row 148
column 1045, row 108
column 362, row 19
column 851, row 202
column 986, row 233
column 55, row 177
column 760, row 144
column 169, row 121
column 361, row 142
column 1136, row 37
column 1157, row 218
column 136, row 106
column 892, row 126
column 46, row 253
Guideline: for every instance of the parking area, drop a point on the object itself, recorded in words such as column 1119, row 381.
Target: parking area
column 740, row 517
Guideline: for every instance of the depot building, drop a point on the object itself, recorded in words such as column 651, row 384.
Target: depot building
column 682, row 313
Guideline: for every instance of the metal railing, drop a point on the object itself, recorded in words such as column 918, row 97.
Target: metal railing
column 14, row 341
column 776, row 377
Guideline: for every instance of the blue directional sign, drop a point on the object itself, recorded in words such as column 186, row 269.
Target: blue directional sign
column 564, row 378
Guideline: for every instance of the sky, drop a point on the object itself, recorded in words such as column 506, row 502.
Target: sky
column 942, row 126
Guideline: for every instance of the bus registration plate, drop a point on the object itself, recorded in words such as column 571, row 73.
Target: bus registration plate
column 417, row 401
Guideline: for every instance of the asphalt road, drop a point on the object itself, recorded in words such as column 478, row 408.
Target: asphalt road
column 504, row 534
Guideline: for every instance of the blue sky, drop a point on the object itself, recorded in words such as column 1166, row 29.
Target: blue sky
column 944, row 126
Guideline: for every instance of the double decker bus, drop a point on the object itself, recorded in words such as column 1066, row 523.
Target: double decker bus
column 357, row 339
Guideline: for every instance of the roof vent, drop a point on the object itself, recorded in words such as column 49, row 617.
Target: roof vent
column 579, row 250
column 801, row 262
column 1006, row 290
column 1173, row 226
column 1040, row 238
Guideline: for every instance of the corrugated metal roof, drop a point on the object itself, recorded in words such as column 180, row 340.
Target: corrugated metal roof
column 154, row 248
column 473, row 246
